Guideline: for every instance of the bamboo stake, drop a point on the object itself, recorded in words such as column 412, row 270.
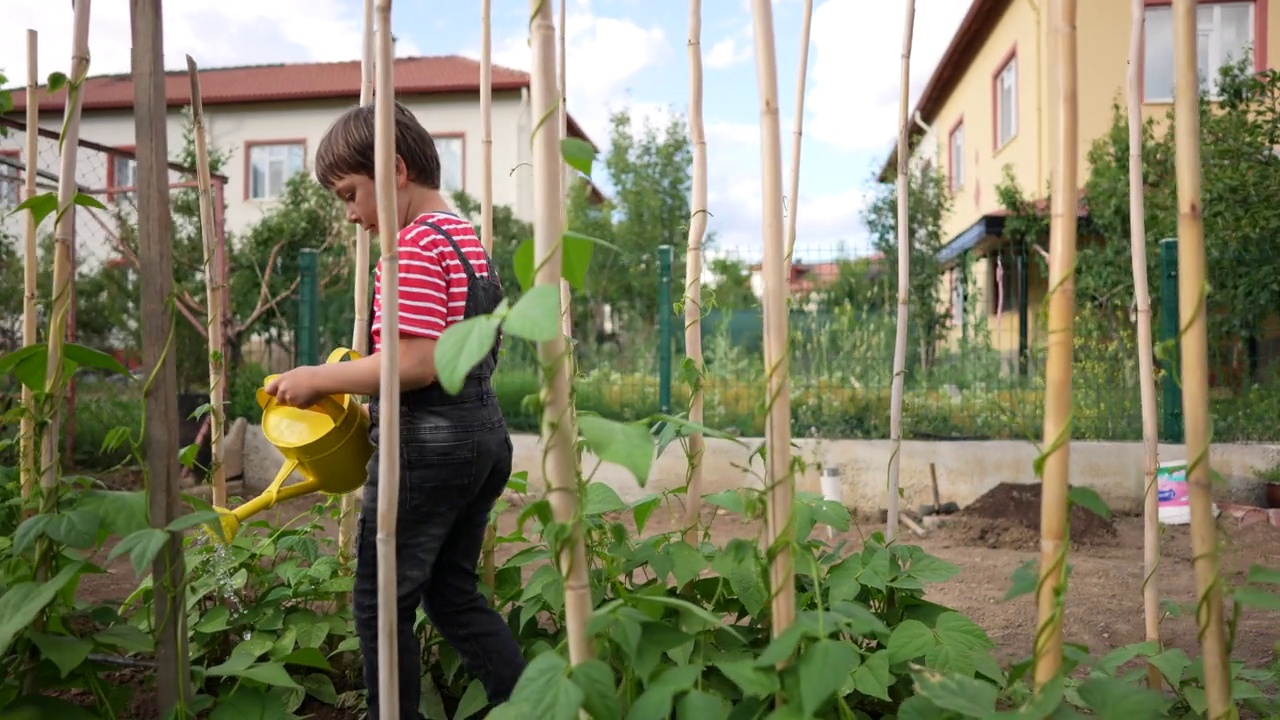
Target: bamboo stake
column 793, row 191
column 64, row 235
column 779, row 481
column 389, row 386
column 1192, row 279
column 904, row 276
column 693, row 274
column 31, row 260
column 360, row 330
column 566, row 320
column 1147, row 388
column 559, row 429
column 213, row 289
column 1057, row 401
column 486, row 124
column 488, row 558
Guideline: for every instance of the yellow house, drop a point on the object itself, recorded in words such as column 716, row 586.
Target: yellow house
column 989, row 105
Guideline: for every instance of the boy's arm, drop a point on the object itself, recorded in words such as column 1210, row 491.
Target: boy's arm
column 364, row 376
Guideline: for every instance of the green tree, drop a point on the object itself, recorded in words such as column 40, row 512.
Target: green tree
column 928, row 205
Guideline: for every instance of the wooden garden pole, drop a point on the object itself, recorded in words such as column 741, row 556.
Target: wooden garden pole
column 693, row 274
column 486, row 124
column 779, row 481
column 155, row 262
column 1146, row 374
column 489, row 560
column 904, row 274
column 31, row 264
column 63, row 236
column 1192, row 279
column 389, row 388
column 214, row 287
column 566, row 319
column 559, row 429
column 793, row 190
column 1057, row 398
column 360, row 330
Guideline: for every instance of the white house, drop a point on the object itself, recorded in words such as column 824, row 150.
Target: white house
column 269, row 119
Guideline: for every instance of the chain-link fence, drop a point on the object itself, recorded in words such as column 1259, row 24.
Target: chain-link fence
column 106, row 291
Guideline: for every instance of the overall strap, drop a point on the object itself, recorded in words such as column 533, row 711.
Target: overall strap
column 462, row 257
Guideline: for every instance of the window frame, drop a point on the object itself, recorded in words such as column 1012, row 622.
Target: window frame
column 1258, row 13
column 18, row 179
column 461, row 138
column 1009, row 60
column 249, row 147
column 954, row 163
column 127, row 153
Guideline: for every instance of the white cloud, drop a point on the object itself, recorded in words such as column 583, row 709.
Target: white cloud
column 853, row 94
column 727, row 53
column 263, row 32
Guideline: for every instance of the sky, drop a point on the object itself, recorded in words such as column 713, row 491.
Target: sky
column 629, row 54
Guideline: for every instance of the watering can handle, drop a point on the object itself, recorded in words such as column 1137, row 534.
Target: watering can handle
column 340, row 354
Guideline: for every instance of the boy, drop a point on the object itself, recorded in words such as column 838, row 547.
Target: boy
column 455, row 452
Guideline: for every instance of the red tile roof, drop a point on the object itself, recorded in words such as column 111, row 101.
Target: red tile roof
column 965, row 44
column 299, row 81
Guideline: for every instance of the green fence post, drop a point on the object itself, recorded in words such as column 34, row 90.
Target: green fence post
column 1171, row 429
column 665, row 312
column 308, row 331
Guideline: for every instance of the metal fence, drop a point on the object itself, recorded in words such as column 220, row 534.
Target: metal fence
column 105, row 292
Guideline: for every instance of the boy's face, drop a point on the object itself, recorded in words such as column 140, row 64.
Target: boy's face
column 359, row 199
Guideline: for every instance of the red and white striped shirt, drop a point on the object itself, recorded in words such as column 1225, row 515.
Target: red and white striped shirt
column 433, row 283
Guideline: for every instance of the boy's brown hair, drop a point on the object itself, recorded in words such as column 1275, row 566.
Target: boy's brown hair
column 347, row 148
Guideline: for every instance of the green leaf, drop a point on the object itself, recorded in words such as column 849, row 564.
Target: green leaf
column 577, row 252
column 191, row 520
column 41, row 206
column 126, row 637
column 1115, row 699
column 910, row 639
column 545, row 690
column 142, row 546
column 602, row 499
column 22, row 602
column 1172, row 663
column 578, row 154
column 473, row 701
column 1257, row 598
column 30, row 363
column 522, row 259
column 599, row 689
column 187, row 455
column 267, row 673
column 1024, row 580
column 872, row 676
column 307, row 657
column 62, row 650
column 642, row 510
column 44, row 707
column 627, row 444
column 246, row 702
column 687, row 563
column 462, row 346
column 957, row 693
column 1260, row 574
column 824, row 667
column 536, row 315
column 754, row 681
column 700, row 705
column 88, row 201
column 1089, row 499
column 56, row 81
column 320, row 687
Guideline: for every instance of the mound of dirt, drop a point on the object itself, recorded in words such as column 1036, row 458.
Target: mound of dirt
column 1008, row 516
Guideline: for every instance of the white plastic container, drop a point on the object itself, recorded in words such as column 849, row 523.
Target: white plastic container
column 831, row 486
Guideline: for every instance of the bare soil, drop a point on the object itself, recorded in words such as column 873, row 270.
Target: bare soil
column 988, row 540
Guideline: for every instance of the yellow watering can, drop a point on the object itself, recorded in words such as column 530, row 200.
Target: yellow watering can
column 328, row 444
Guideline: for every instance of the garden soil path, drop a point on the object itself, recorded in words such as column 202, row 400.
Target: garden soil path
column 988, row 541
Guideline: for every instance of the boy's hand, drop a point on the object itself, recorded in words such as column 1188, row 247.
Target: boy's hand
column 297, row 388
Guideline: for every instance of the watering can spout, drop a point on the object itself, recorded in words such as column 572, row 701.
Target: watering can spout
column 327, row 444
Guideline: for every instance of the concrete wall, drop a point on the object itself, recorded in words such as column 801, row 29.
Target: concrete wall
column 965, row 470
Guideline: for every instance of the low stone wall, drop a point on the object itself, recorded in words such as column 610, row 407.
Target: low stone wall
column 965, row 469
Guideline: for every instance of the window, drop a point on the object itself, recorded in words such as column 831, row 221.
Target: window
column 270, row 167
column 123, row 173
column 1006, row 102
column 955, row 157
column 10, row 178
column 451, row 151
column 1224, row 34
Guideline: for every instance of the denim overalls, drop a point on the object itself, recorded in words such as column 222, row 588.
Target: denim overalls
column 455, row 460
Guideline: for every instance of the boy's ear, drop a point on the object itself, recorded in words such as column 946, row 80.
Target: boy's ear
column 402, row 172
